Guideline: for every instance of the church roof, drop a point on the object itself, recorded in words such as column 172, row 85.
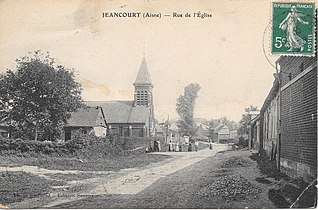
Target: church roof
column 84, row 117
column 122, row 111
column 143, row 76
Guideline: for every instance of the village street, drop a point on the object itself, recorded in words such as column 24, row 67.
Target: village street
column 173, row 183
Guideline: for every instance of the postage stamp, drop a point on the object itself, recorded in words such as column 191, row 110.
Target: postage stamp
column 293, row 28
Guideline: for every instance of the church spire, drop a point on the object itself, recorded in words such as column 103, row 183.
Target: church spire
column 143, row 86
column 143, row 76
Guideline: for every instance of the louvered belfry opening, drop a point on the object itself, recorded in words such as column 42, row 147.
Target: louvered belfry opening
column 143, row 86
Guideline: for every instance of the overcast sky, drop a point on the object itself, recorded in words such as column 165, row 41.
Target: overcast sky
column 224, row 54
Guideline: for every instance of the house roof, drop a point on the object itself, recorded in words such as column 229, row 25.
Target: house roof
column 201, row 133
column 122, row 111
column 199, row 120
column 271, row 95
column 84, row 117
column 143, row 76
column 254, row 120
column 220, row 127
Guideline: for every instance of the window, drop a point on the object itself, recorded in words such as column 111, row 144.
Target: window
column 301, row 67
column 289, row 76
column 68, row 135
column 142, row 97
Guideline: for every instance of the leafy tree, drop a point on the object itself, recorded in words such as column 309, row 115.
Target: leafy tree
column 165, row 126
column 251, row 108
column 37, row 98
column 229, row 123
column 185, row 109
column 211, row 126
column 246, row 118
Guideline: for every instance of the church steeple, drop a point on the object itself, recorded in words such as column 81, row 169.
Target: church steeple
column 143, row 76
column 143, row 86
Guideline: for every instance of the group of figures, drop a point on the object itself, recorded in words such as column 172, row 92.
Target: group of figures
column 156, row 147
column 176, row 147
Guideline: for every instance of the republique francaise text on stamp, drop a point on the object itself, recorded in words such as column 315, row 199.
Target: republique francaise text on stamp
column 293, row 28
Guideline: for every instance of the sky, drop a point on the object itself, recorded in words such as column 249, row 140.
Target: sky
column 228, row 54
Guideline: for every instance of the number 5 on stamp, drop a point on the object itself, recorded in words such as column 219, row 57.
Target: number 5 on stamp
column 293, row 28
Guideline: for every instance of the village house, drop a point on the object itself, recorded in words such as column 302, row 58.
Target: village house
column 132, row 118
column 202, row 133
column 234, row 134
column 269, row 123
column 88, row 120
column 159, row 131
column 298, row 116
column 254, row 133
column 286, row 128
column 264, row 129
column 172, row 133
column 221, row 132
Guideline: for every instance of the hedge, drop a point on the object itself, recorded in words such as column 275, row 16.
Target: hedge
column 83, row 145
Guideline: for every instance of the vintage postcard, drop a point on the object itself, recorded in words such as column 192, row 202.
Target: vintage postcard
column 158, row 104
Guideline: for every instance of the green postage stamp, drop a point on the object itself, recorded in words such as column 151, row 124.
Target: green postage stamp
column 293, row 28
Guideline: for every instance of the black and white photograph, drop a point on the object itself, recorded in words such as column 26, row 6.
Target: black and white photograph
column 158, row 104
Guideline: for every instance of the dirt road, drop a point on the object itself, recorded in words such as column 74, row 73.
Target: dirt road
column 181, row 188
column 113, row 185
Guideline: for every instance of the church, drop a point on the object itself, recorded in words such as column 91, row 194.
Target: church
column 134, row 118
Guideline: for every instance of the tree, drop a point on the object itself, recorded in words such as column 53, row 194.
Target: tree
column 37, row 98
column 246, row 118
column 185, row 109
column 229, row 123
column 165, row 126
column 211, row 127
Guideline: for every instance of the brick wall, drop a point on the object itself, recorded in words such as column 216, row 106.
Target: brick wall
column 299, row 116
column 294, row 66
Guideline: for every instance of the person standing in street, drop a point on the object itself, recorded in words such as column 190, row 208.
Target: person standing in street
column 190, row 147
column 196, row 145
column 159, row 146
column 177, row 147
column 170, row 146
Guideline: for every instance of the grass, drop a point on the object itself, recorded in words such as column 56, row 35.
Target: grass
column 129, row 159
column 17, row 186
column 108, row 154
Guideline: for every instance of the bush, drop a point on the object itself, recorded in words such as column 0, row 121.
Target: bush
column 242, row 142
column 226, row 141
column 80, row 145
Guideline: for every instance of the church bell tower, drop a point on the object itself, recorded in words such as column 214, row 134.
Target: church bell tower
column 143, row 86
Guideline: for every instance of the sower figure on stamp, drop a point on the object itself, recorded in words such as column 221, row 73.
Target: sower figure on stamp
column 289, row 24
